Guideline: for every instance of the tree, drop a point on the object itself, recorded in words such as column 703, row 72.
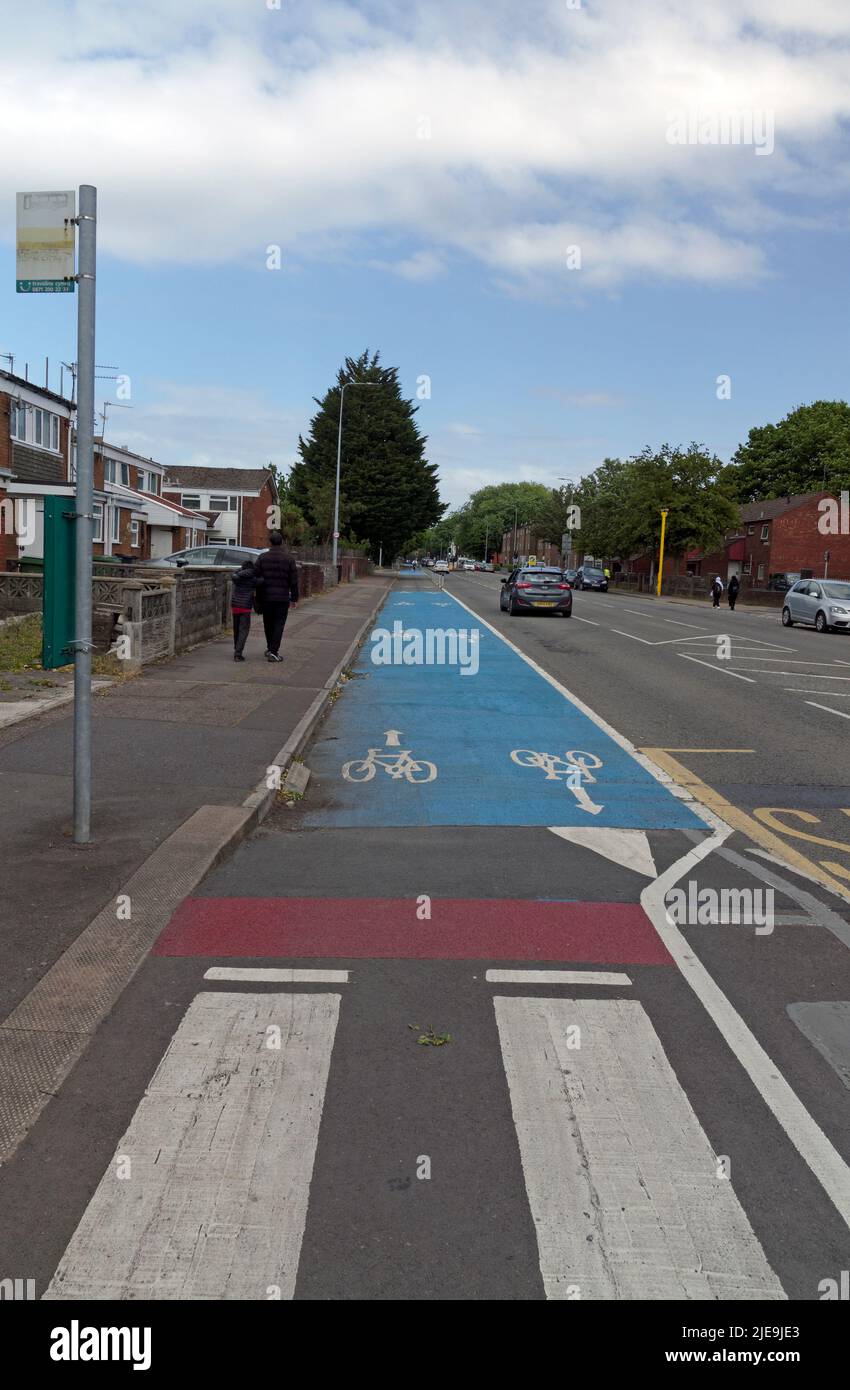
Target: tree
column 808, row 451
column 388, row 489
column 621, row 502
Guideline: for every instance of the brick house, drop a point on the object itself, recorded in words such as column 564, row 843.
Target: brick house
column 527, row 542
column 35, row 455
column 236, row 500
column 782, row 535
column 123, row 523
column 172, row 527
column 8, row 539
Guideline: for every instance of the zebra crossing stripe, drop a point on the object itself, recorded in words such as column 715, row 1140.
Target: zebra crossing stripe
column 206, row 1197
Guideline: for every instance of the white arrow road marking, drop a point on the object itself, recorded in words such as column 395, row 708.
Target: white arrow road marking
column 392, row 737
column 621, row 1179
column 627, row 847
column 220, row 1152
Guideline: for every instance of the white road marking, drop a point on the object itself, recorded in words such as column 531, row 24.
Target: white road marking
column 629, row 848
column 789, row 661
column 840, row 712
column 676, row 623
column 807, row 1137
column 584, row 620
column 282, row 976
column 804, row 690
column 620, row 633
column 639, row 613
column 712, row 667
column 622, row 1182
column 217, row 1160
column 798, row 674
column 557, row 977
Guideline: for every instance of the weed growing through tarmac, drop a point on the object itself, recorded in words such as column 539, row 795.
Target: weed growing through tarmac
column 430, row 1038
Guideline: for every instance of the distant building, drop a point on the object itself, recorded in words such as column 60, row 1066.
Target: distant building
column 236, row 501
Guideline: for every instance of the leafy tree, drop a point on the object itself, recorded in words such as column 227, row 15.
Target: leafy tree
column 388, row 488
column 808, row 451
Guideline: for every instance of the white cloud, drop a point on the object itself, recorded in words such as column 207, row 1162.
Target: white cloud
column 214, row 128
column 211, row 425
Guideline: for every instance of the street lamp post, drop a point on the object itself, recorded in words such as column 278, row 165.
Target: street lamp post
column 661, row 552
column 339, row 460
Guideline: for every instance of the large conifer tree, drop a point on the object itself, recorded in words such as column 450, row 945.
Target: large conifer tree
column 388, row 489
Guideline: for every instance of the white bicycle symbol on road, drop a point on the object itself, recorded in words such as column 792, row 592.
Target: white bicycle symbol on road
column 574, row 767
column 396, row 765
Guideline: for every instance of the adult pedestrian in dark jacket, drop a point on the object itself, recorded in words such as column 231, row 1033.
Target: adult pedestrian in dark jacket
column 732, row 591
column 245, row 584
column 279, row 574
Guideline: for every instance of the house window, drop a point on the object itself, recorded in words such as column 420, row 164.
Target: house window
column 751, row 530
column 41, row 427
column 97, row 521
column 153, row 483
column 765, row 531
column 125, row 474
column 134, row 535
column 192, row 500
column 54, row 432
column 18, row 420
column 116, row 524
column 109, row 470
column 223, row 504
column 761, row 572
column 748, row 567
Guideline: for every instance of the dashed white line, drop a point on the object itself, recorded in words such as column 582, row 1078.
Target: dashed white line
column 620, row 633
column 584, row 620
column 828, row 708
column 282, row 976
column 556, row 977
column 712, row 667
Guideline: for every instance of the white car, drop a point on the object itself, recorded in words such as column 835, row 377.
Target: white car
column 441, row 566
column 468, row 565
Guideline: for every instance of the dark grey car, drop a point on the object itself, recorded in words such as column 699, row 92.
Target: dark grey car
column 536, row 589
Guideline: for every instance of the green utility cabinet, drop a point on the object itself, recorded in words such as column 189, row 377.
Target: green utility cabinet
column 58, row 621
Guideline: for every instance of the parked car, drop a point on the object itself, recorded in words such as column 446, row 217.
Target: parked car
column 488, row 566
column 588, row 577
column 468, row 565
column 570, row 576
column 783, row 582
column 441, row 566
column 230, row 556
column 538, row 588
column 821, row 603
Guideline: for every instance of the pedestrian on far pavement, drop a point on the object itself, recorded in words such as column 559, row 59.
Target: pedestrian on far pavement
column 716, row 591
column 245, row 584
column 607, row 573
column 279, row 573
column 732, row 592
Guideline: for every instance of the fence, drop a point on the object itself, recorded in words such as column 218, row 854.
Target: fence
column 695, row 586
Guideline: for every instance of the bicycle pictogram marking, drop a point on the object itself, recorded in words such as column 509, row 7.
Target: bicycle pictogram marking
column 574, row 768
column 397, row 764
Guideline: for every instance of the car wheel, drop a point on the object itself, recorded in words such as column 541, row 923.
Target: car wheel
column 821, row 624
column 567, row 615
column 512, row 609
column 787, row 620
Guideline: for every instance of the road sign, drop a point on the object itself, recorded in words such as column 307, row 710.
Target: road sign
column 532, row 559
column 45, row 243
column 336, row 535
column 58, row 625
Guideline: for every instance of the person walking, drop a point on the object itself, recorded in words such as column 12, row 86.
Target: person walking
column 245, row 583
column 732, row 591
column 716, row 590
column 279, row 574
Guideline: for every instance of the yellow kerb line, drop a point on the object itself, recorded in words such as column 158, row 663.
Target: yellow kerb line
column 738, row 819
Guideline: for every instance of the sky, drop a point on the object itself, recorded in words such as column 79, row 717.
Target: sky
column 562, row 221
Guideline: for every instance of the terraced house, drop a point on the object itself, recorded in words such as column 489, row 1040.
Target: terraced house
column 235, row 501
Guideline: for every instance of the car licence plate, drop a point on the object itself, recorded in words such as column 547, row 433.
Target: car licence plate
column 544, row 603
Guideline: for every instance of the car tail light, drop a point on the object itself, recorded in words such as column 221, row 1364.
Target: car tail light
column 562, row 586
column 523, row 586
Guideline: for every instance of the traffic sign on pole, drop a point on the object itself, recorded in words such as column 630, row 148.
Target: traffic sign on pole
column 45, row 243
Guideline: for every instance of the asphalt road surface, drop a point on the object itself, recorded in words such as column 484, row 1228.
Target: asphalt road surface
column 444, row 1030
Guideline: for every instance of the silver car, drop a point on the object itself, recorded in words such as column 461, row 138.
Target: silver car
column 821, row 603
column 230, row 556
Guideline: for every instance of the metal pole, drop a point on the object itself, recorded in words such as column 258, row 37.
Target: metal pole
column 86, row 265
column 661, row 553
column 338, row 461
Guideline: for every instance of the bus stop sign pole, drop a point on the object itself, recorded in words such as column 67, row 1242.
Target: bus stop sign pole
column 86, row 264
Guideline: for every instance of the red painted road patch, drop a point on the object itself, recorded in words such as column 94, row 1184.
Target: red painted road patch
column 459, row 929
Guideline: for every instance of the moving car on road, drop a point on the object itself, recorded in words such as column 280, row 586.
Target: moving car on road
column 587, row 577
column 538, row 589
column 441, row 566
column 823, row 603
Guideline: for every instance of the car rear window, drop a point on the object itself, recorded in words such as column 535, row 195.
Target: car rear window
column 593, row 574
column 538, row 576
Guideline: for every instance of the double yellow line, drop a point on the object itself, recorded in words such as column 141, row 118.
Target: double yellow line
column 757, row 830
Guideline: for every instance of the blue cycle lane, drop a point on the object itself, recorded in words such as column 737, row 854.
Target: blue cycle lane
column 482, row 739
